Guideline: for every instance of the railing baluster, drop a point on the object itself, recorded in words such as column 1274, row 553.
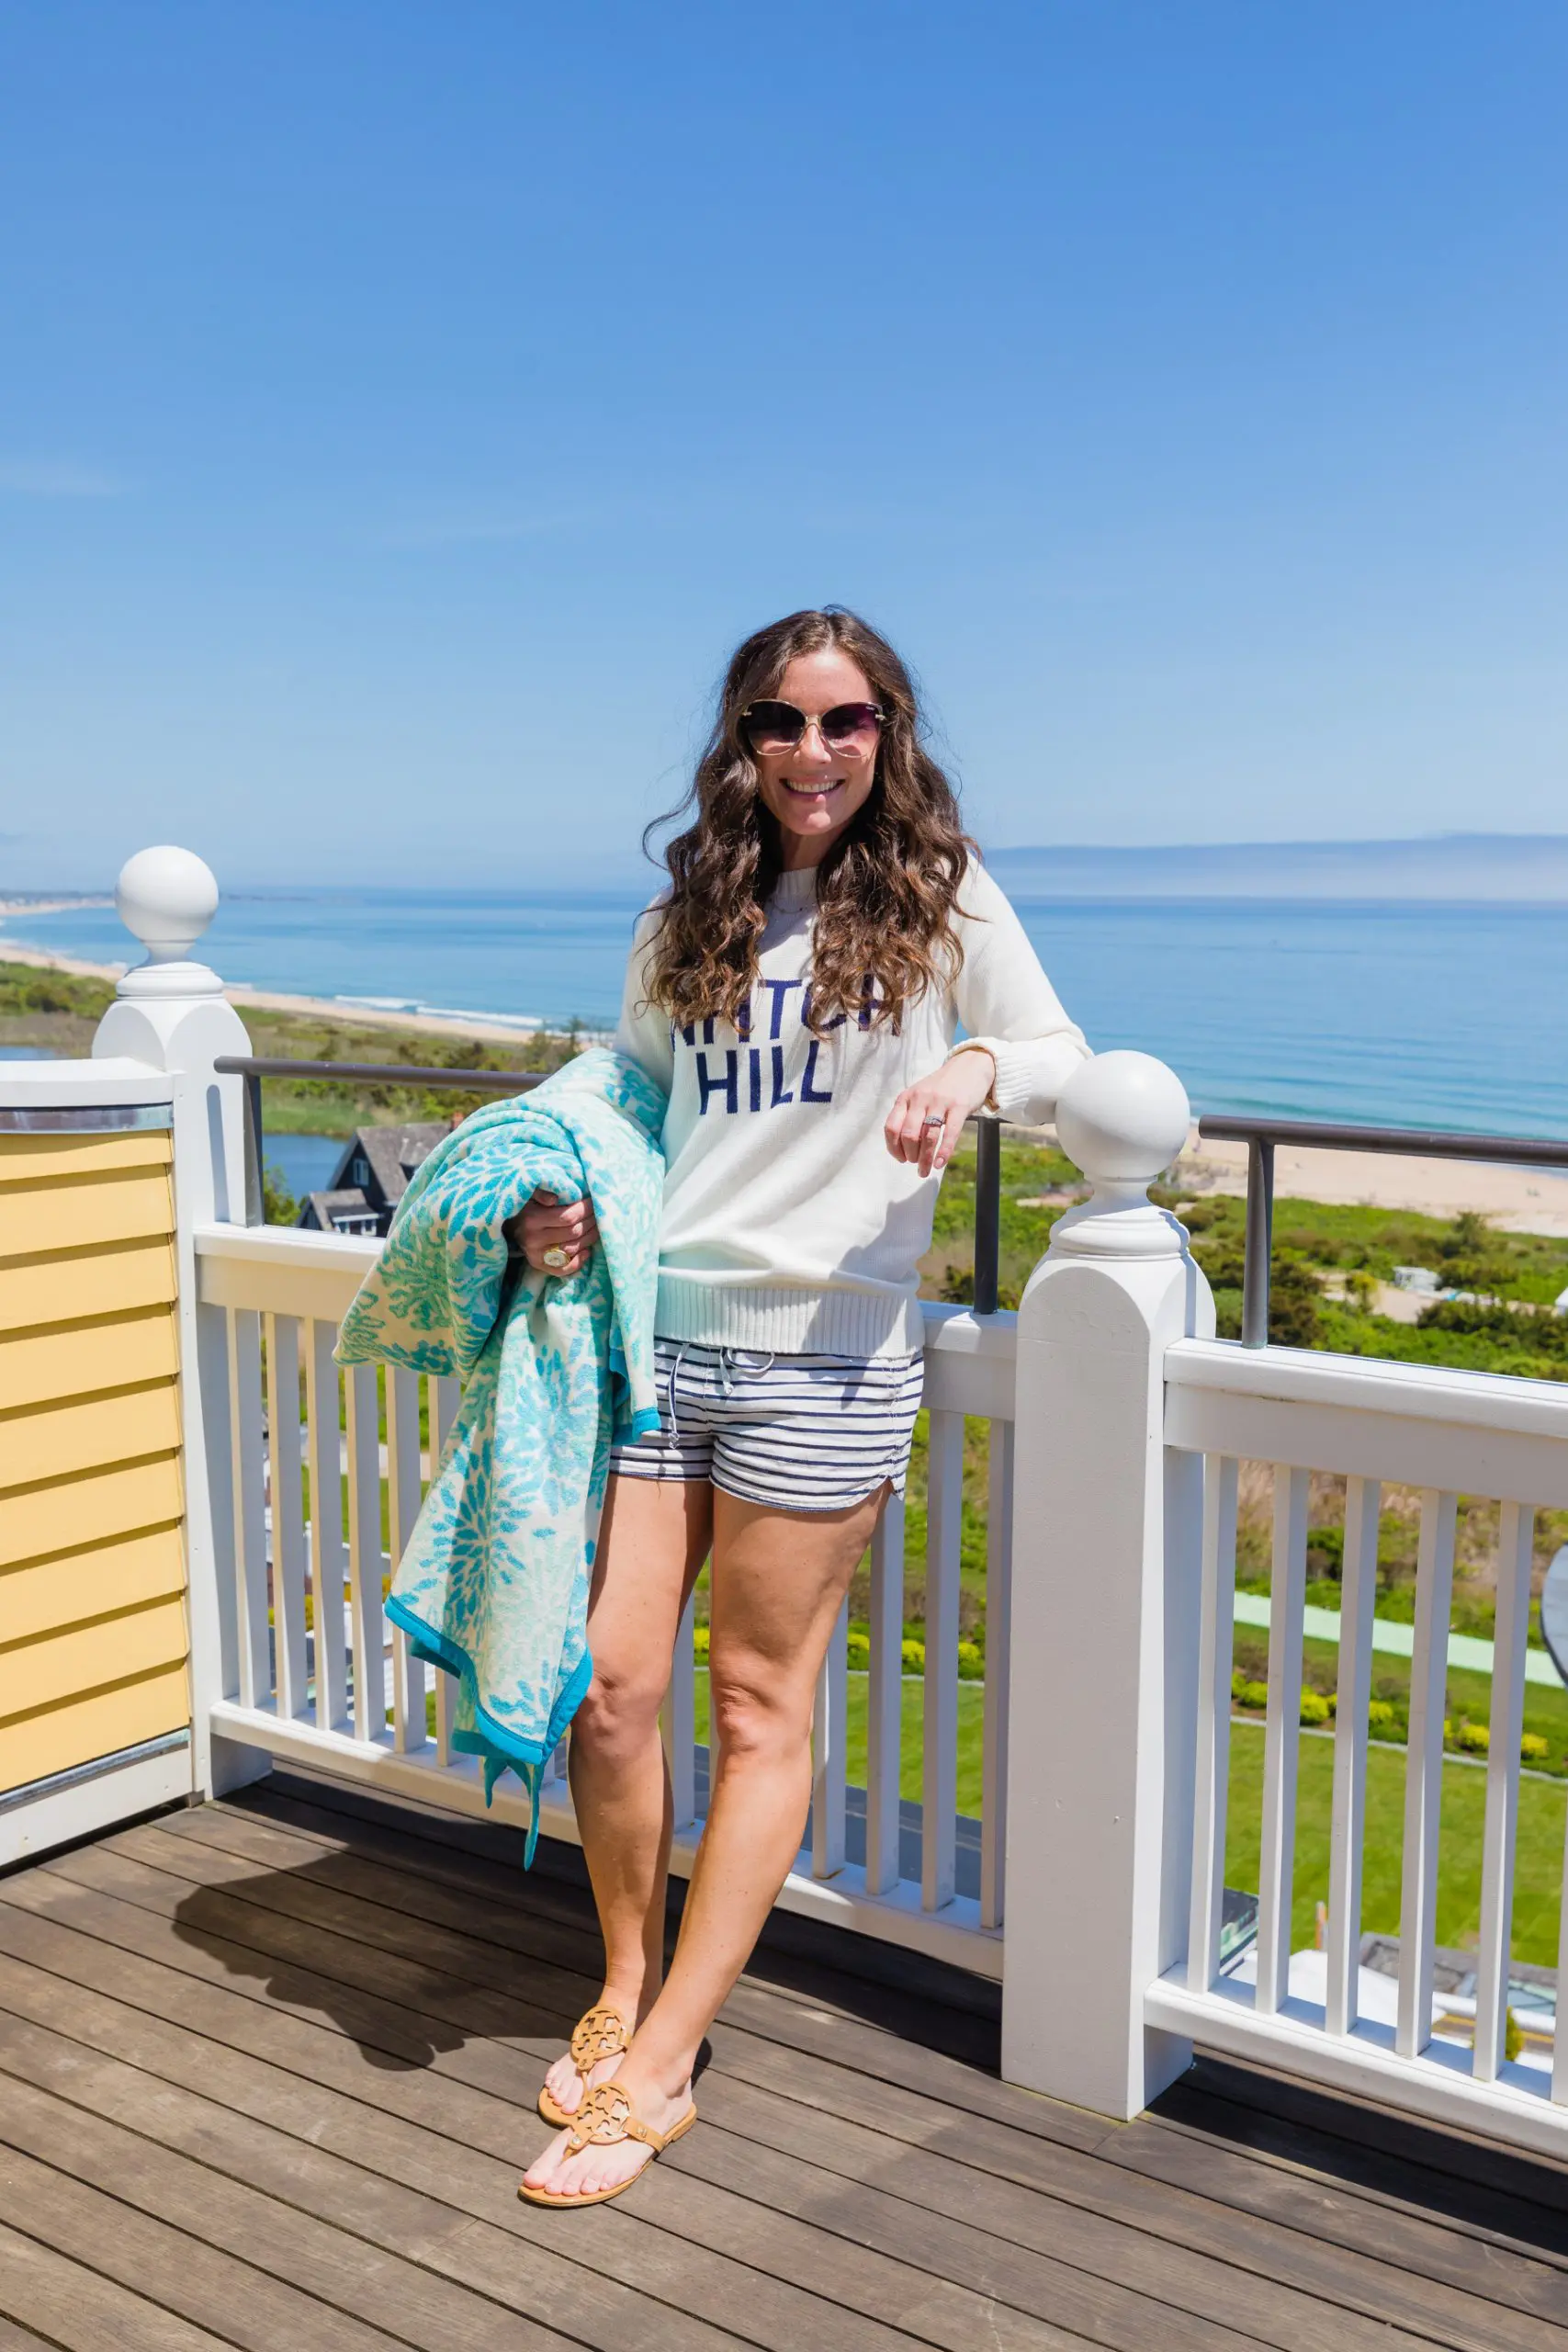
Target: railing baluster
column 1357, row 1599
column 945, row 1497
column 1216, row 1618
column 410, row 1731
column 998, row 1630
column 828, row 1730
column 1515, row 1549
column 678, row 1719
column 443, row 1397
column 1559, row 2041
column 885, row 1701
column 1282, row 1738
column 325, row 1459
column 364, row 1553
column 247, row 1439
column 282, row 1349
column 1424, row 1771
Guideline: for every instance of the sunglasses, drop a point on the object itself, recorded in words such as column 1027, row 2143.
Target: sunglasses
column 779, row 726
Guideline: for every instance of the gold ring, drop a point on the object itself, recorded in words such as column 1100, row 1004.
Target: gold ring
column 553, row 1258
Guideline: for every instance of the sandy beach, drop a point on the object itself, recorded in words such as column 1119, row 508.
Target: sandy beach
column 1516, row 1200
column 325, row 1008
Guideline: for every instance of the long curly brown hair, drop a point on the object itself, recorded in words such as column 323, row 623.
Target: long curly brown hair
column 886, row 889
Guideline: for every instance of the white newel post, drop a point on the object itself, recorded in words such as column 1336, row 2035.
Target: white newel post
column 1106, row 1549
column 171, row 1014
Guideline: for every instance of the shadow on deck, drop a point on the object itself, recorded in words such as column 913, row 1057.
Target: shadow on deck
column 269, row 2072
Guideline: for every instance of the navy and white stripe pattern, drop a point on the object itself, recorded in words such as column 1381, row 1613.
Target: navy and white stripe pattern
column 790, row 1432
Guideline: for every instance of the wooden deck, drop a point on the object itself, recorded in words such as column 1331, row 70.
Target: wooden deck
column 268, row 2079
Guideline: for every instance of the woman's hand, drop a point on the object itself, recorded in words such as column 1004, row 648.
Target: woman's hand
column 548, row 1224
column 927, row 1120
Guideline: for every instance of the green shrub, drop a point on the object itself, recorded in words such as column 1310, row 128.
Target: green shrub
column 1533, row 1749
column 700, row 1641
column 914, row 1657
column 1381, row 1715
column 859, row 1648
column 971, row 1662
column 1474, row 1738
column 1315, row 1707
column 1253, row 1694
column 1513, row 2039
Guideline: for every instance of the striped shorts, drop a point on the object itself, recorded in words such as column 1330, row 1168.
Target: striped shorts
column 797, row 1433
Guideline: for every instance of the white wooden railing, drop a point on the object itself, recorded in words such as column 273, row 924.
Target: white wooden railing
column 313, row 1647
column 1116, row 1424
column 1443, row 1433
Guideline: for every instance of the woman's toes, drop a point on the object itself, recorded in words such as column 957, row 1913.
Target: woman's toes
column 548, row 2163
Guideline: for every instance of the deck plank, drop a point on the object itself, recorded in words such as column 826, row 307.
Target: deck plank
column 80, row 2311
column 295, row 2265
column 18, row 2339
column 297, row 2036
column 482, row 2125
column 1363, row 2272
column 62, row 2205
column 629, row 2279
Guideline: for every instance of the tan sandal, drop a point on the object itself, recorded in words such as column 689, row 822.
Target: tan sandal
column 600, row 2032
column 604, row 2120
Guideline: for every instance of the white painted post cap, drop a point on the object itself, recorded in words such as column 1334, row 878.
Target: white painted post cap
column 1123, row 1118
column 166, row 897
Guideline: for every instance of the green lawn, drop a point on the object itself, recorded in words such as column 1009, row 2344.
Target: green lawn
column 1538, row 1869
column 1541, row 1839
column 971, row 1707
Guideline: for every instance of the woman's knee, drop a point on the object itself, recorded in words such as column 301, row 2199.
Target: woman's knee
column 756, row 1715
column 619, row 1709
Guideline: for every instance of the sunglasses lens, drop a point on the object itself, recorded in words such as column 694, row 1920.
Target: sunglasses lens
column 852, row 726
column 773, row 726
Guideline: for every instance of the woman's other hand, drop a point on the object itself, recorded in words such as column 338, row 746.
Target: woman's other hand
column 548, row 1224
column 927, row 1120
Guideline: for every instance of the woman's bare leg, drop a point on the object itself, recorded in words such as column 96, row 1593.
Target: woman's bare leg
column 778, row 1583
column 653, row 1540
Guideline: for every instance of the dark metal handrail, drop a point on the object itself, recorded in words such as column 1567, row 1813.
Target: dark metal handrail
column 1260, row 1136
column 253, row 1067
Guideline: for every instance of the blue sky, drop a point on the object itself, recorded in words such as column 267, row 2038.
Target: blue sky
column 404, row 408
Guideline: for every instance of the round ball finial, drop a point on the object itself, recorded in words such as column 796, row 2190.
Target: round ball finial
column 1122, row 1117
column 166, row 897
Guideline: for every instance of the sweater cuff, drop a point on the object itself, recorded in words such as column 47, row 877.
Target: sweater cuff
column 1031, row 1074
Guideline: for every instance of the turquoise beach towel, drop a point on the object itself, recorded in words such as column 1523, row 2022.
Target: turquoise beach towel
column 493, row 1585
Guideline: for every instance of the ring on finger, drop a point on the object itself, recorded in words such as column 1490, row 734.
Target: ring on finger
column 934, row 1119
column 555, row 1258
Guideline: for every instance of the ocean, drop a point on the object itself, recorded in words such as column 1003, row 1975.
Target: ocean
column 1398, row 1013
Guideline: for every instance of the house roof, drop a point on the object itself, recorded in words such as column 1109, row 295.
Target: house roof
column 344, row 1201
column 394, row 1153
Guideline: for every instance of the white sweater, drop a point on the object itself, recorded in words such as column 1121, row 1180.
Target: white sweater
column 787, row 1224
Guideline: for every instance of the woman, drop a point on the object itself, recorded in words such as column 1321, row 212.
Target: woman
column 797, row 990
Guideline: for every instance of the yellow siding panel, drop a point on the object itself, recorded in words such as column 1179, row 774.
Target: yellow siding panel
column 57, row 1441
column 105, row 1281
column 118, row 1207
column 79, row 1511
column 35, row 1746
column 87, row 1658
column 43, row 1367
column 29, row 1160
column 91, row 1584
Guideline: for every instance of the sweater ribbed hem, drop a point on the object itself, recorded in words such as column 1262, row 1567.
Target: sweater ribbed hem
column 788, row 1321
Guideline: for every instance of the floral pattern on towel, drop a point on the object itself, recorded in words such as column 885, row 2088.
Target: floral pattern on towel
column 493, row 1583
